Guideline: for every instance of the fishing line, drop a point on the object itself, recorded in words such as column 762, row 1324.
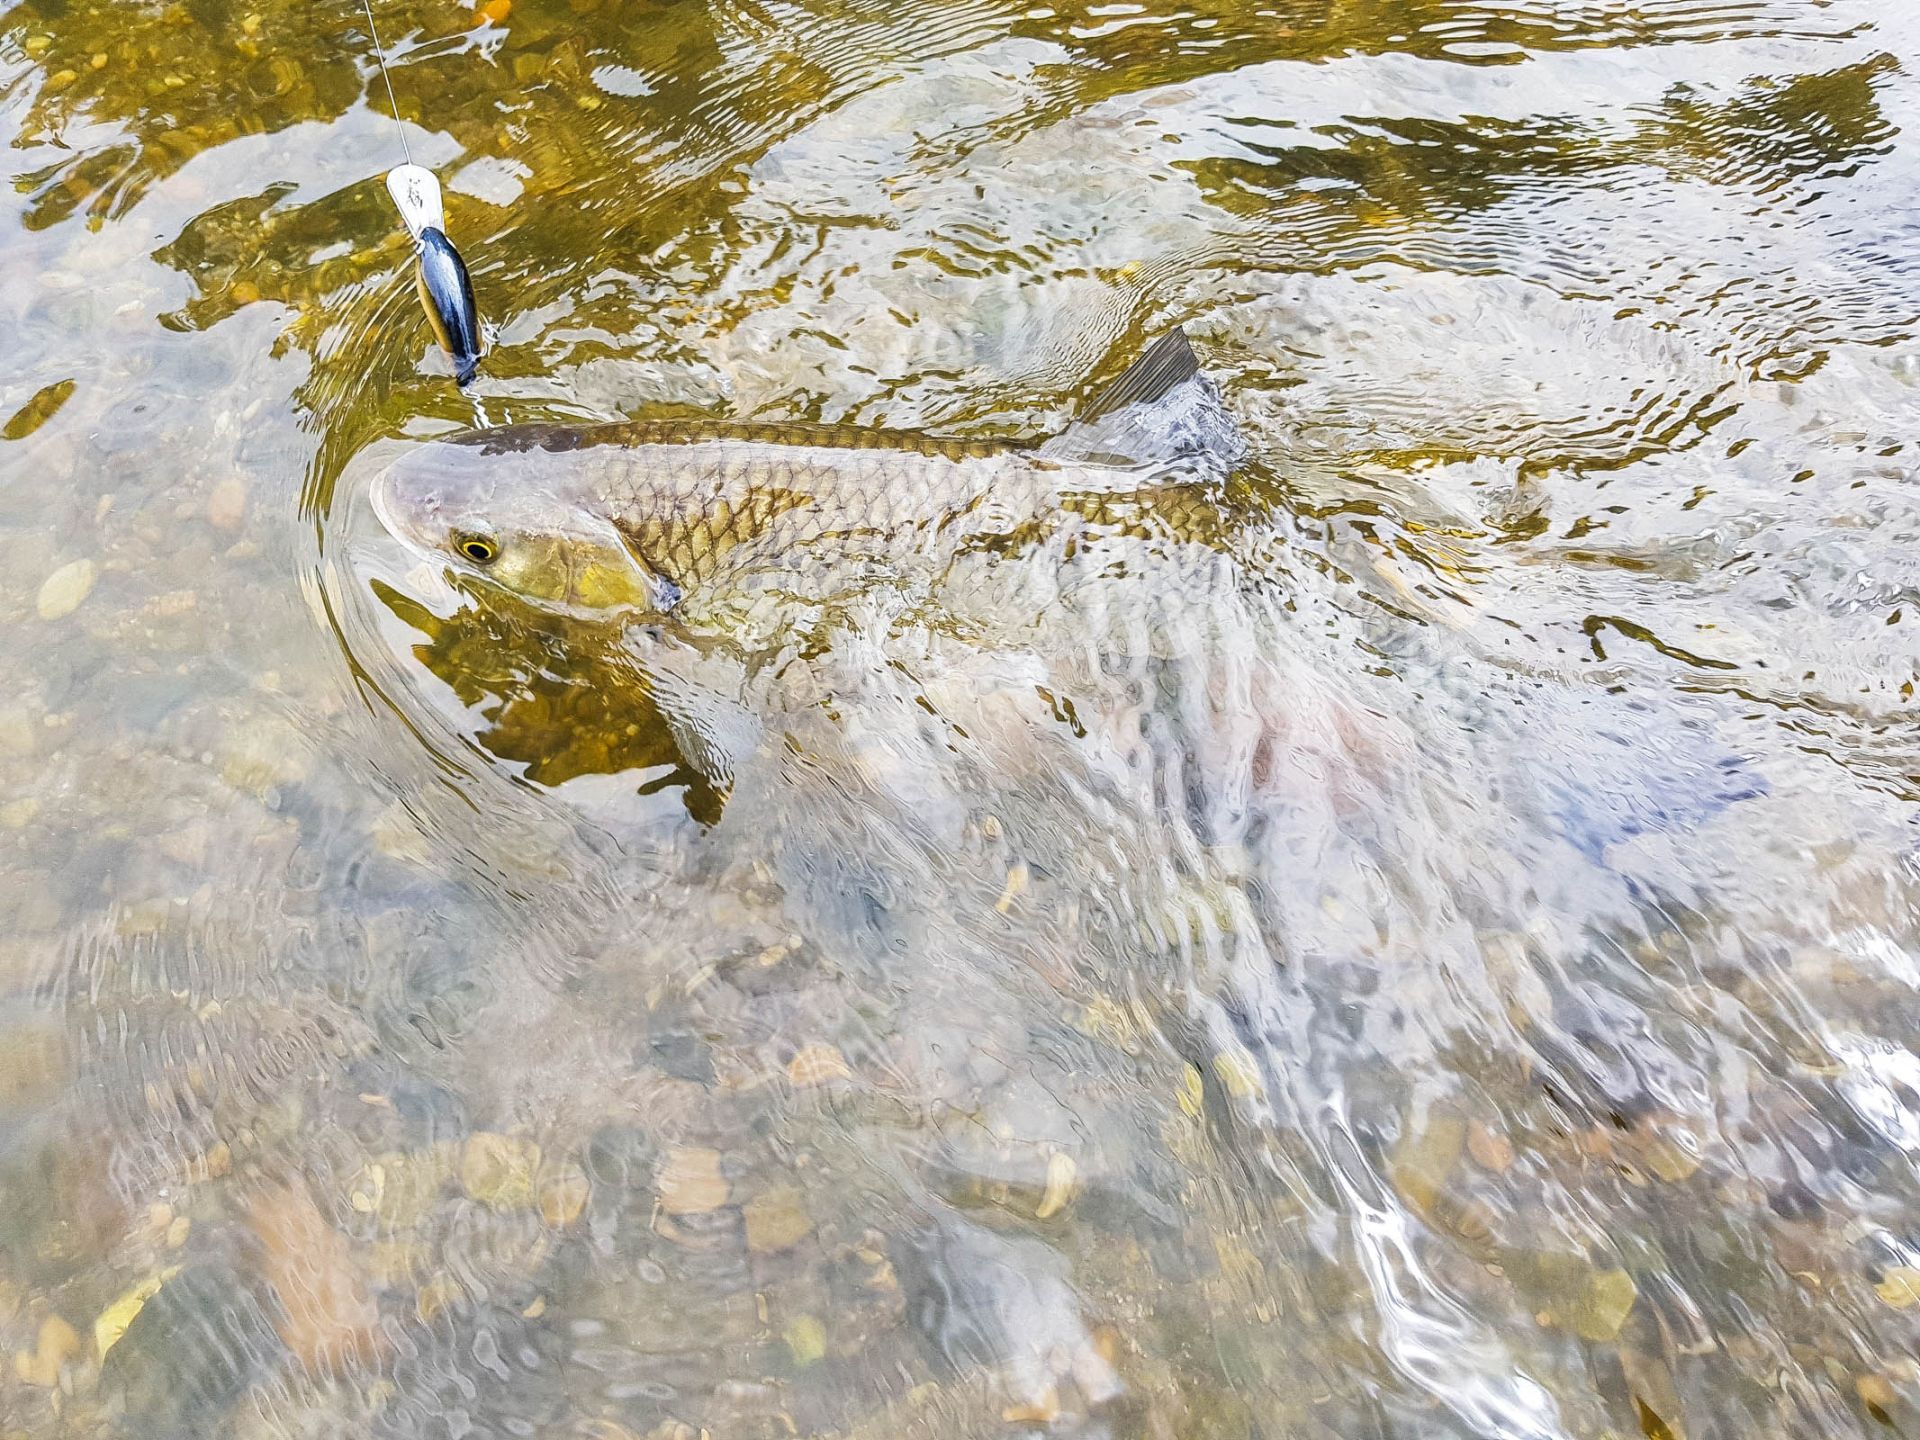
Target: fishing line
column 380, row 55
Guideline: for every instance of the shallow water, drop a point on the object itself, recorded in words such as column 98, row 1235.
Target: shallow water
column 1440, row 963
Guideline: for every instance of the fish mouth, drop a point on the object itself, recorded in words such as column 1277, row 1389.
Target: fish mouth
column 586, row 593
column 382, row 499
column 664, row 593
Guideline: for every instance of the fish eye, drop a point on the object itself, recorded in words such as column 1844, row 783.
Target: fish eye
column 480, row 549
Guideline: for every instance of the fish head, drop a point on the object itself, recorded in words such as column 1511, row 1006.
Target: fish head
column 515, row 521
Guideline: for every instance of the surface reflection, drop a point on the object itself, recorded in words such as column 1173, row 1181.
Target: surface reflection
column 556, row 698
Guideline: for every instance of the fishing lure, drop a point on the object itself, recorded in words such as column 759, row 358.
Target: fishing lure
column 439, row 274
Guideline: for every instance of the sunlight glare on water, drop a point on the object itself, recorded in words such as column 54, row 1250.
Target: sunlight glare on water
column 1422, row 943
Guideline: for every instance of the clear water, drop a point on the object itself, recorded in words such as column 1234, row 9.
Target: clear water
column 1445, row 967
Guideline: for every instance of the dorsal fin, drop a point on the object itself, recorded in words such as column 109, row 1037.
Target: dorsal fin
column 1164, row 364
column 1127, row 423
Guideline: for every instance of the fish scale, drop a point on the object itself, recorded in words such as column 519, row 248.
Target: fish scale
column 697, row 511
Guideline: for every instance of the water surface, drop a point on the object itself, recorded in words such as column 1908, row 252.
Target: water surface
column 1442, row 963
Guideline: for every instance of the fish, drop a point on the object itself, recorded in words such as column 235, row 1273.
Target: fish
column 646, row 517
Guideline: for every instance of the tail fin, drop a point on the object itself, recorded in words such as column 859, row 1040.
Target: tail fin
column 1161, row 408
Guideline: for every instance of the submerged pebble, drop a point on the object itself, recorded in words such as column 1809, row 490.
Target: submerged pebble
column 563, row 1195
column 806, row 1339
column 498, row 1170
column 57, row 1343
column 227, row 503
column 1900, row 1287
column 777, row 1220
column 691, row 1182
column 328, row 1314
column 62, row 592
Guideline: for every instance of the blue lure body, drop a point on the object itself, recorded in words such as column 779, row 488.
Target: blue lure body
column 447, row 293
